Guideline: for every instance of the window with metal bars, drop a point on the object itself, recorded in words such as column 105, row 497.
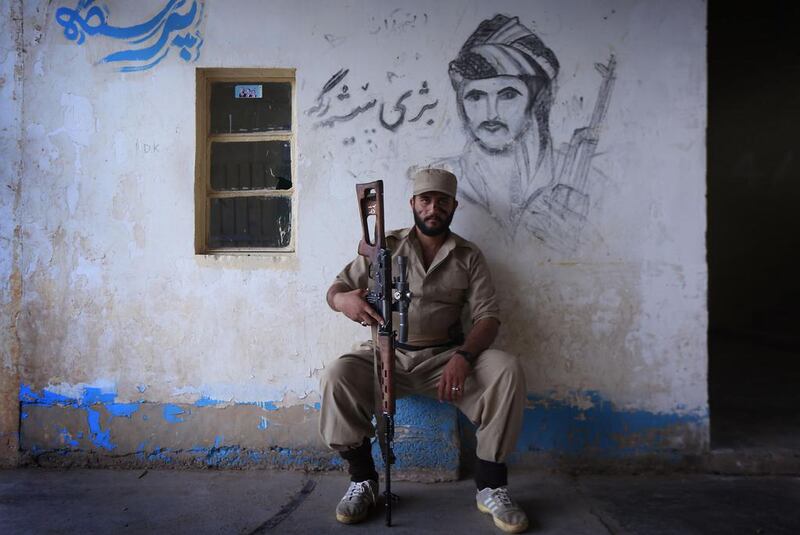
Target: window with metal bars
column 245, row 161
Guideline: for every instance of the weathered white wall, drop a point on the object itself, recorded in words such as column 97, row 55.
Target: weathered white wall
column 114, row 296
column 10, row 174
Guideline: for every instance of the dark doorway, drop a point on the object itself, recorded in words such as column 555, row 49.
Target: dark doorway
column 754, row 224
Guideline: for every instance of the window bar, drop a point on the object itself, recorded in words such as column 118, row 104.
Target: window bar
column 261, row 217
column 221, row 224
column 233, row 215
column 245, row 234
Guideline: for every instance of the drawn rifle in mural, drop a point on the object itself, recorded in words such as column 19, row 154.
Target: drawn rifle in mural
column 570, row 191
column 386, row 295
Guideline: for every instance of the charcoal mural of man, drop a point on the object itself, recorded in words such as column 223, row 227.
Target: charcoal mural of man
column 504, row 78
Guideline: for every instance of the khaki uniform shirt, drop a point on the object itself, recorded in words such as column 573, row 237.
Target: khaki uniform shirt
column 457, row 276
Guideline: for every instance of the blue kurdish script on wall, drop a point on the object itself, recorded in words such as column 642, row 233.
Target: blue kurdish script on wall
column 146, row 44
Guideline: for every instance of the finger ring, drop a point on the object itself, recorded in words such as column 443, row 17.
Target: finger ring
column 455, row 388
column 364, row 323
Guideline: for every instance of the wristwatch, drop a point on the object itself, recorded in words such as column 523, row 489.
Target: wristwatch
column 469, row 357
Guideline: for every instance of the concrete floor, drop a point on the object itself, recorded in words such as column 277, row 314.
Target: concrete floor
column 40, row 501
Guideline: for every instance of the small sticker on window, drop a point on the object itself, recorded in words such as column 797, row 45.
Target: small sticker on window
column 247, row 91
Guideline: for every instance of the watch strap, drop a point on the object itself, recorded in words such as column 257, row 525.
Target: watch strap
column 468, row 356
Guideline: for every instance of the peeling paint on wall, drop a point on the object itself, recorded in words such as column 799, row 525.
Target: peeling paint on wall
column 428, row 439
column 427, row 443
column 12, row 62
column 601, row 429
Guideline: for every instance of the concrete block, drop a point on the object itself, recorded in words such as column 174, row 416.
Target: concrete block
column 427, row 443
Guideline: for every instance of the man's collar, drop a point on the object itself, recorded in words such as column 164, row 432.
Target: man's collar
column 452, row 241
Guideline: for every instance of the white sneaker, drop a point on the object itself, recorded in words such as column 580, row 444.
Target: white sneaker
column 357, row 501
column 507, row 515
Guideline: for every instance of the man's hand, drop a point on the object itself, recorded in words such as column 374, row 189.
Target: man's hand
column 353, row 305
column 454, row 374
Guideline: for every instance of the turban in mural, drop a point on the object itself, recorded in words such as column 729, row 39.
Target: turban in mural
column 503, row 46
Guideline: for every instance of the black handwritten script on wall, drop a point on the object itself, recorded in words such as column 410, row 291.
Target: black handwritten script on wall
column 409, row 106
column 142, row 46
column 398, row 21
column 504, row 78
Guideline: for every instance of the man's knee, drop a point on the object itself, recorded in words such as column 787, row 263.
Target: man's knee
column 346, row 371
column 501, row 361
column 504, row 366
column 333, row 374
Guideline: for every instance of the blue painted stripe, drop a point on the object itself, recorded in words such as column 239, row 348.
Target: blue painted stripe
column 123, row 410
column 602, row 429
column 206, row 401
column 172, row 413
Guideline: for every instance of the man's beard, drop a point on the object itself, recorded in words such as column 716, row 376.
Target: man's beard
column 428, row 231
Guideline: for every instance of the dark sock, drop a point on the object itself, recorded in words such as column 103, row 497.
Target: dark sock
column 360, row 465
column 491, row 475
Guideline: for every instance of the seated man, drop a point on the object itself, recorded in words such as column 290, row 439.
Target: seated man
column 445, row 273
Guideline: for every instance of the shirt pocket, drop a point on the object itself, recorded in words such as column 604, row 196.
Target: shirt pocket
column 452, row 289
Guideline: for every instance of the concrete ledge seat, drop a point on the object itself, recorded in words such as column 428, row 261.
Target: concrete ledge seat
column 427, row 443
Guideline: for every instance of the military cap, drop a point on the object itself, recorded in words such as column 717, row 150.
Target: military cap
column 426, row 180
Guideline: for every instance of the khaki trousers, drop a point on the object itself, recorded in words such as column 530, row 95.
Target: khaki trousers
column 494, row 396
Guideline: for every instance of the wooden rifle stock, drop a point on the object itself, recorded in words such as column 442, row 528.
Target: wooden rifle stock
column 370, row 203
